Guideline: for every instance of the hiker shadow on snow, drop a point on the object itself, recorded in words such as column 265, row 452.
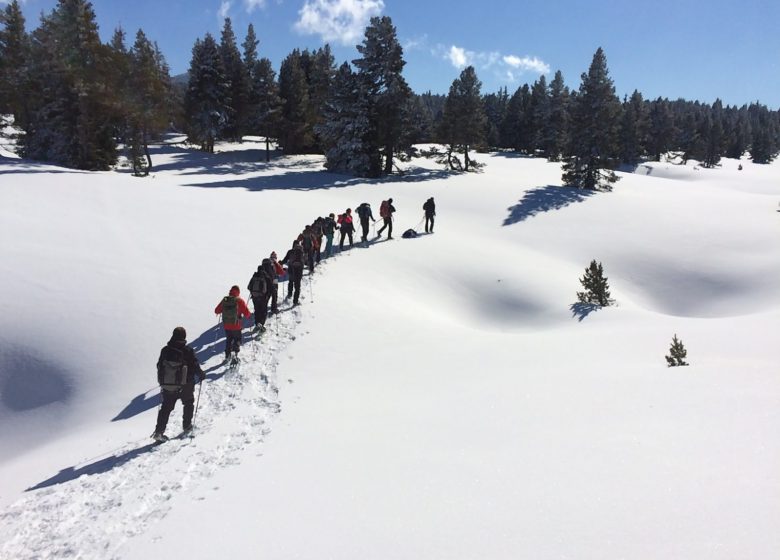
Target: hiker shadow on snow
column 544, row 199
column 96, row 467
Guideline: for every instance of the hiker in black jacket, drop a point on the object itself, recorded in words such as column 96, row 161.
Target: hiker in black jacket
column 260, row 286
column 294, row 261
column 177, row 372
column 364, row 213
column 430, row 212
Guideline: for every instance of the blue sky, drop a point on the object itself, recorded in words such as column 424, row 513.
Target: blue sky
column 683, row 48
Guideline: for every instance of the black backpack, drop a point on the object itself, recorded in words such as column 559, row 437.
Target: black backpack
column 307, row 243
column 409, row 234
column 258, row 284
column 171, row 369
column 363, row 211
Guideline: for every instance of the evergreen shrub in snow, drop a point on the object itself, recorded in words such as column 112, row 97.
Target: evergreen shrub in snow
column 596, row 286
column 677, row 353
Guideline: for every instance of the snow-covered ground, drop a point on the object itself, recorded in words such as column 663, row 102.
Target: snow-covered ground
column 441, row 397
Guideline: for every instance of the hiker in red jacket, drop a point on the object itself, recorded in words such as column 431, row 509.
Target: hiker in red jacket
column 347, row 228
column 233, row 310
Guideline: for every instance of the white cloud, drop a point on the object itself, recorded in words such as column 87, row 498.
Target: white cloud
column 341, row 21
column 415, row 43
column 506, row 67
column 252, row 5
column 460, row 58
column 224, row 8
column 527, row 63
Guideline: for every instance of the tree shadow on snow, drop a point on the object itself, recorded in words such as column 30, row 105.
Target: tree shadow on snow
column 97, row 467
column 544, row 199
column 582, row 310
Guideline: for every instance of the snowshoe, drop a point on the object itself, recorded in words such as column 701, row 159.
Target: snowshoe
column 159, row 437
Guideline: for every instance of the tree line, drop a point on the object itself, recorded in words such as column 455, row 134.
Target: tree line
column 78, row 100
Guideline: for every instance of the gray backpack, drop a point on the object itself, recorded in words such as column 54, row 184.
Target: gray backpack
column 172, row 371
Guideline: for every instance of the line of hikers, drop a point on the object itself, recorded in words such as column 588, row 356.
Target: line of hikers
column 178, row 369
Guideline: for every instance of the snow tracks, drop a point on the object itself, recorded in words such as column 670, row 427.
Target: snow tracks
column 91, row 510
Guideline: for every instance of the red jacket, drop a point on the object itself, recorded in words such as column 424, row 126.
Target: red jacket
column 243, row 312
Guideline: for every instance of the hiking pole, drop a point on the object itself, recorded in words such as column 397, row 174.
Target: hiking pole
column 197, row 402
column 311, row 290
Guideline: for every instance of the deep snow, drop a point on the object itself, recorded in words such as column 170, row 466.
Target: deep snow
column 440, row 397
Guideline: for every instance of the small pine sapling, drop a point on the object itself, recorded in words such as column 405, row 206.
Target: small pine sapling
column 596, row 286
column 677, row 353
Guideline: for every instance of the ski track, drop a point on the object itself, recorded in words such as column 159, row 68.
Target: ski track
column 94, row 515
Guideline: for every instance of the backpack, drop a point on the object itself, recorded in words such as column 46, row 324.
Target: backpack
column 409, row 234
column 307, row 243
column 257, row 285
column 230, row 310
column 384, row 209
column 363, row 211
column 171, row 369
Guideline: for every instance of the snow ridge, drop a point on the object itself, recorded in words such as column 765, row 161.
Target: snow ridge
column 92, row 516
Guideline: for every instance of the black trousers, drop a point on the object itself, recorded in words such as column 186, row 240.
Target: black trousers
column 232, row 341
column 364, row 226
column 294, row 284
column 345, row 233
column 389, row 225
column 428, row 219
column 169, row 397
column 261, row 308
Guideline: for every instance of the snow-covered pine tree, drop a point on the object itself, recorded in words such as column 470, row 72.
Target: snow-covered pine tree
column 70, row 115
column 463, row 122
column 596, row 286
column 591, row 156
column 556, row 129
column 345, row 129
column 380, row 67
column 677, row 353
column 205, row 100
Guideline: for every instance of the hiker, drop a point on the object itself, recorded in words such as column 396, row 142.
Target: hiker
column 386, row 213
column 177, row 372
column 260, row 289
column 364, row 213
column 329, row 229
column 307, row 242
column 347, row 228
column 278, row 271
column 430, row 212
column 294, row 261
column 233, row 310
column 318, row 229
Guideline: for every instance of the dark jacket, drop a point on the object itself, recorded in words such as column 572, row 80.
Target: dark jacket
column 177, row 350
column 430, row 208
column 294, row 261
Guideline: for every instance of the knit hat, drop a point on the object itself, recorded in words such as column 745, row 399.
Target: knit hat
column 179, row 334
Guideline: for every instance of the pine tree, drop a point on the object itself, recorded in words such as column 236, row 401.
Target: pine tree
column 633, row 129
column 515, row 128
column 495, row 105
column 380, row 67
column 596, row 286
column 345, row 129
column 235, row 83
column 207, row 94
column 70, row 119
column 14, row 57
column 463, row 123
column 539, row 115
column 149, row 111
column 263, row 102
column 556, row 134
column 592, row 152
column 677, row 353
column 660, row 135
column 763, row 142
column 296, row 133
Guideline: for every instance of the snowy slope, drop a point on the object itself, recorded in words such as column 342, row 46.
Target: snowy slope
column 440, row 397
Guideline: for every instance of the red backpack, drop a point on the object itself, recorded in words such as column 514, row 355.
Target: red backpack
column 384, row 209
